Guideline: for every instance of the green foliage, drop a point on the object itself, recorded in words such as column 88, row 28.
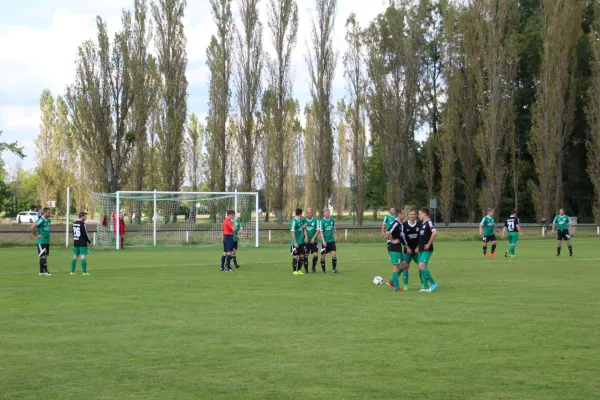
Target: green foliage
column 375, row 178
column 12, row 147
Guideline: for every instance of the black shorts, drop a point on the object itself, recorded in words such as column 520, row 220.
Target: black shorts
column 312, row 248
column 42, row 249
column 298, row 251
column 235, row 243
column 228, row 244
column 563, row 235
column 491, row 238
column 329, row 248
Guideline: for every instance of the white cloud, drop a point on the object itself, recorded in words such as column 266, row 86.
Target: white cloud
column 19, row 119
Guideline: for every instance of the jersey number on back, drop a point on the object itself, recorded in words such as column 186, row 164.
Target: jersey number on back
column 76, row 232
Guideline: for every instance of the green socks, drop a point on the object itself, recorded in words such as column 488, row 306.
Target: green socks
column 421, row 278
column 395, row 280
column 511, row 250
column 83, row 265
column 405, row 276
column 427, row 276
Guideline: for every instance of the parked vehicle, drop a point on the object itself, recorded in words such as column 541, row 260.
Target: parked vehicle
column 27, row 217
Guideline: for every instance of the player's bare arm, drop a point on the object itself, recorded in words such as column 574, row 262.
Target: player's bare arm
column 33, row 232
column 433, row 235
column 316, row 235
column 570, row 229
column 294, row 239
column 334, row 234
column 504, row 232
column 389, row 236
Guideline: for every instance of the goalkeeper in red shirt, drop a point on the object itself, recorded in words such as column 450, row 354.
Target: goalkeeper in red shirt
column 121, row 229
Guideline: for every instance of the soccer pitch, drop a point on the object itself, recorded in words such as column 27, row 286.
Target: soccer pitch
column 167, row 324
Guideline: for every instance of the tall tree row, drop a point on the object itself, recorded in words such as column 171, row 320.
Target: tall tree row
column 219, row 62
column 248, row 79
column 393, row 70
column 99, row 104
column 451, row 127
column 341, row 158
column 481, row 104
column 321, row 59
column 553, row 110
column 283, row 24
column 144, row 81
column 494, row 25
column 593, row 115
column 172, row 91
column 355, row 73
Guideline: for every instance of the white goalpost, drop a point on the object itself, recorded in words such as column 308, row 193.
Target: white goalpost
column 153, row 218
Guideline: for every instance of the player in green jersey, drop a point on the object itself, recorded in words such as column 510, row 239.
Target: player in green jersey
column 387, row 222
column 237, row 228
column 311, row 224
column 487, row 229
column 562, row 223
column 513, row 227
column 41, row 231
column 297, row 241
column 328, row 234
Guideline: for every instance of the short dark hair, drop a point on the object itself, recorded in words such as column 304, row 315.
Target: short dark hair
column 230, row 212
column 298, row 211
column 513, row 212
column 399, row 209
column 413, row 210
column 490, row 209
column 82, row 214
column 425, row 211
column 45, row 209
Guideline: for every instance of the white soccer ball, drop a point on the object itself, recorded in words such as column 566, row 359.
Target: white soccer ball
column 378, row 280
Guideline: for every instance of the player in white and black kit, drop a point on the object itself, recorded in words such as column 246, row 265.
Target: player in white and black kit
column 396, row 238
column 411, row 250
column 81, row 239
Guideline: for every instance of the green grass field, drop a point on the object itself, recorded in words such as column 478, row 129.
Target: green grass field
column 166, row 324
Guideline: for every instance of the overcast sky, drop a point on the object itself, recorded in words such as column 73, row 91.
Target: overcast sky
column 38, row 43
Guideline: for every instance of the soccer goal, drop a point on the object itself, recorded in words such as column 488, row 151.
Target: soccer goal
column 146, row 219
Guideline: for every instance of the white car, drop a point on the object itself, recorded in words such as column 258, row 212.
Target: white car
column 27, row 217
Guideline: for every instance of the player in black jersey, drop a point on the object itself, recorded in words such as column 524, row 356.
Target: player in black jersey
column 427, row 235
column 411, row 250
column 395, row 239
column 514, row 230
column 81, row 239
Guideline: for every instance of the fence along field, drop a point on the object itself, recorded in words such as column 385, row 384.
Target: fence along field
column 14, row 235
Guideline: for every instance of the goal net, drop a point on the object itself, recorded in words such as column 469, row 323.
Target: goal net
column 144, row 219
